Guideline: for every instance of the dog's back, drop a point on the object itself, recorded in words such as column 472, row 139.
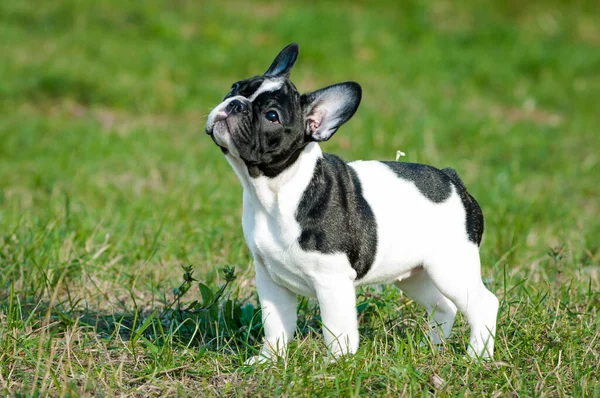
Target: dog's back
column 419, row 211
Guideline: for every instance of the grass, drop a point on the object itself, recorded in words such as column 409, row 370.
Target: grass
column 108, row 186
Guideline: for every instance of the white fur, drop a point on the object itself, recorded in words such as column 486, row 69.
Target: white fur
column 269, row 85
column 422, row 246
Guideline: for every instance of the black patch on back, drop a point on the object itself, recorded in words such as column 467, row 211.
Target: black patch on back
column 436, row 185
column 335, row 217
column 431, row 182
column 475, row 222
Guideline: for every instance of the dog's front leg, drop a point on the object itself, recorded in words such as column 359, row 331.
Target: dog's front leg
column 278, row 306
column 337, row 301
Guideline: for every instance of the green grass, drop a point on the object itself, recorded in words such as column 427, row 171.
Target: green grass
column 108, row 185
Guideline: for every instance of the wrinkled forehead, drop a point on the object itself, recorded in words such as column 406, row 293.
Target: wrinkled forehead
column 258, row 86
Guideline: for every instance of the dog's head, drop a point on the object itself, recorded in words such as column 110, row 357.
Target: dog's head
column 266, row 123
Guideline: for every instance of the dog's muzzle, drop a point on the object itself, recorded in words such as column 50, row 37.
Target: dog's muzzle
column 236, row 106
column 230, row 107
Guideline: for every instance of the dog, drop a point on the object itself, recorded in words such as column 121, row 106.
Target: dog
column 318, row 226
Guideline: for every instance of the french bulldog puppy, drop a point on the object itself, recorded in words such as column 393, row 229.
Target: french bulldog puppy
column 318, row 226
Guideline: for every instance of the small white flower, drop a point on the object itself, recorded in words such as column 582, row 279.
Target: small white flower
column 399, row 154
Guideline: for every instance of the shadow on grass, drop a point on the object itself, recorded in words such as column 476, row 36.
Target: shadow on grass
column 221, row 320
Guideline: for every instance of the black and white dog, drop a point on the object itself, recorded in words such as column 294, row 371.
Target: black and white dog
column 318, row 226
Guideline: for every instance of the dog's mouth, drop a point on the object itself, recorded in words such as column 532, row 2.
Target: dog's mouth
column 217, row 127
column 214, row 121
column 222, row 127
column 210, row 129
column 217, row 132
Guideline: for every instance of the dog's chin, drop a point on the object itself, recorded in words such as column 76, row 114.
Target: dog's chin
column 221, row 135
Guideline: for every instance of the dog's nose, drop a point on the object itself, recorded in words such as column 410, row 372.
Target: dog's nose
column 236, row 106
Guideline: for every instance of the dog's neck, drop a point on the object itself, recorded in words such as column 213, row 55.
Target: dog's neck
column 287, row 187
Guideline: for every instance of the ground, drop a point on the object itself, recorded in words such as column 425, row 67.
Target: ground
column 109, row 187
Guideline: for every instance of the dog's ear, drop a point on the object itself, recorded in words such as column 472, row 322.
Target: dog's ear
column 325, row 110
column 282, row 65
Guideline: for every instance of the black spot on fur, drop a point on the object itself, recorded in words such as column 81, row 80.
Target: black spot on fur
column 335, row 217
column 431, row 182
column 475, row 222
column 436, row 185
column 267, row 148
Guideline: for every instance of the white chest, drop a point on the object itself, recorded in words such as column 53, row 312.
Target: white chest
column 273, row 240
column 272, row 231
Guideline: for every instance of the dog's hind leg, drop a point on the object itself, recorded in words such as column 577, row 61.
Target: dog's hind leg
column 442, row 311
column 457, row 274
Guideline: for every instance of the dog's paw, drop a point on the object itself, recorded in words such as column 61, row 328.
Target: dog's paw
column 475, row 357
column 257, row 359
column 329, row 359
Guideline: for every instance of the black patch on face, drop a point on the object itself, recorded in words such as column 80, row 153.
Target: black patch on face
column 431, row 182
column 245, row 88
column 475, row 222
column 335, row 217
column 268, row 148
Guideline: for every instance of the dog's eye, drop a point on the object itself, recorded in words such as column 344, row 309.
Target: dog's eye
column 272, row 117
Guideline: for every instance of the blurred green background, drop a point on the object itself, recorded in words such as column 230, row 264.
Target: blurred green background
column 108, row 178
